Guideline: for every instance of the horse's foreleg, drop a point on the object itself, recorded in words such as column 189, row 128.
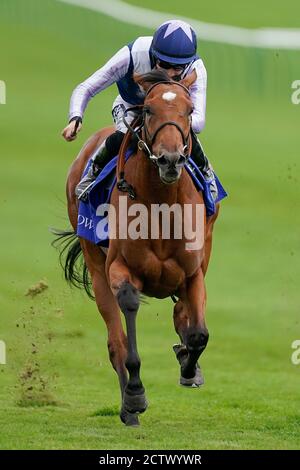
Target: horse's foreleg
column 126, row 290
column 109, row 309
column 189, row 321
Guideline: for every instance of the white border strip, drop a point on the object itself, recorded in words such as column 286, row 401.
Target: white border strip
column 271, row 38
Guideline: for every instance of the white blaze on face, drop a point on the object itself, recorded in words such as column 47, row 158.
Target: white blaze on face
column 169, row 96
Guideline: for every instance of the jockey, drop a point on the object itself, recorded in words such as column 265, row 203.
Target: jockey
column 172, row 48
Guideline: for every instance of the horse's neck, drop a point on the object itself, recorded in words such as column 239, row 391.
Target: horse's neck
column 149, row 185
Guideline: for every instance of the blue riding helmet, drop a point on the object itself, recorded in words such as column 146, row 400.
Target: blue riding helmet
column 175, row 42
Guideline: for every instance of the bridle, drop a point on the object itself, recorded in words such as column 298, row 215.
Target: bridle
column 138, row 126
column 147, row 143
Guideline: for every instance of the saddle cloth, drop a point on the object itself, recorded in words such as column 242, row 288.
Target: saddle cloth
column 92, row 220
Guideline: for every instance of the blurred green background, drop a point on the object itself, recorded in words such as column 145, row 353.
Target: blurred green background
column 58, row 389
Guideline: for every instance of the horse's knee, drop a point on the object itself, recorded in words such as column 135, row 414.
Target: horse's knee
column 128, row 298
column 196, row 339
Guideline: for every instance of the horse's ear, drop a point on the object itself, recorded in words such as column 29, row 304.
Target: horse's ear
column 143, row 84
column 189, row 80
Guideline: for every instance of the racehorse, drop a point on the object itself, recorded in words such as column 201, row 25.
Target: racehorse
column 154, row 267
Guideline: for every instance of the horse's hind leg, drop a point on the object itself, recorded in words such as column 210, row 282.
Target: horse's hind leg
column 208, row 239
column 127, row 293
column 108, row 307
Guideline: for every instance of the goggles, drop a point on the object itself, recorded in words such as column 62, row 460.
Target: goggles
column 168, row 65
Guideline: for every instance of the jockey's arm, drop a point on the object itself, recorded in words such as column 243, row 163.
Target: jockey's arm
column 198, row 96
column 111, row 72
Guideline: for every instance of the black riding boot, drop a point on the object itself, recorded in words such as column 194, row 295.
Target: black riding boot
column 108, row 149
column 204, row 165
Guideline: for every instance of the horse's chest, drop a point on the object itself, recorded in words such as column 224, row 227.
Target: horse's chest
column 162, row 276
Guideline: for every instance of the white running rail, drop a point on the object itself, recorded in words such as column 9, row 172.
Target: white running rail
column 270, row 38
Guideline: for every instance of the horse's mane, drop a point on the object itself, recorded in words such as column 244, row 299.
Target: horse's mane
column 155, row 76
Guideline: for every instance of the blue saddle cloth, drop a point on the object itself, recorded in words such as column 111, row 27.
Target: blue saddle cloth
column 93, row 225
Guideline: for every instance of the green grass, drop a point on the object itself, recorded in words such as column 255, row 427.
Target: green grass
column 58, row 389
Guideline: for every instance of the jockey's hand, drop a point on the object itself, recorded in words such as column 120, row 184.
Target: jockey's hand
column 70, row 132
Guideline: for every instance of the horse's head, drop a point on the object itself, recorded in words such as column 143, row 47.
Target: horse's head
column 167, row 121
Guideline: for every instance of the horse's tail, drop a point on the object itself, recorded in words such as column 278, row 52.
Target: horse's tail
column 72, row 261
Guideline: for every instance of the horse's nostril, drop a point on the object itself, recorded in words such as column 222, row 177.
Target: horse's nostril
column 181, row 160
column 163, row 160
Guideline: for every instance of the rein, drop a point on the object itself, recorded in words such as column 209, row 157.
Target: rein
column 134, row 130
column 122, row 184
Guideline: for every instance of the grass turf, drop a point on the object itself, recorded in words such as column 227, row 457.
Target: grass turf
column 58, row 389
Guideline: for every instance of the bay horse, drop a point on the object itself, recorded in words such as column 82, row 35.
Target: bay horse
column 155, row 267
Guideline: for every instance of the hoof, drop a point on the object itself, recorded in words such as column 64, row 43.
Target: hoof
column 134, row 403
column 197, row 380
column 129, row 419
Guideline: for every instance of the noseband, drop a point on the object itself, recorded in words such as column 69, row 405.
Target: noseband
column 152, row 138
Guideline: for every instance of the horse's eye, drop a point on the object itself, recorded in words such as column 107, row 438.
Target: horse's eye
column 147, row 111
